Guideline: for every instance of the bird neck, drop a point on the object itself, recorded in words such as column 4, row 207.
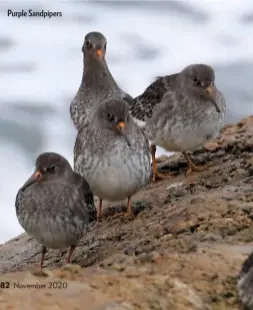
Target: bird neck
column 96, row 72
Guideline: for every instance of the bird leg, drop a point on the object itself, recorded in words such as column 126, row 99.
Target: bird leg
column 43, row 252
column 129, row 206
column 129, row 212
column 71, row 250
column 99, row 214
column 191, row 166
column 156, row 175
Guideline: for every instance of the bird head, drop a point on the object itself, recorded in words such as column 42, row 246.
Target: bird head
column 200, row 79
column 94, row 46
column 49, row 167
column 114, row 115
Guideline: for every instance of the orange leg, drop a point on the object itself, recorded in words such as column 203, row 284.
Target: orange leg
column 191, row 166
column 129, row 207
column 156, row 175
column 99, row 214
column 43, row 252
column 129, row 212
column 72, row 249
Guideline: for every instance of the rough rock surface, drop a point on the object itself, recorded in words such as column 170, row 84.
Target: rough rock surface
column 183, row 250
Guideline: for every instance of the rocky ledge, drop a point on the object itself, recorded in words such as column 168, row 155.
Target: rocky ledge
column 183, row 250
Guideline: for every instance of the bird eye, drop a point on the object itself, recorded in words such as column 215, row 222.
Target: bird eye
column 105, row 46
column 88, row 43
column 51, row 169
column 195, row 80
column 110, row 117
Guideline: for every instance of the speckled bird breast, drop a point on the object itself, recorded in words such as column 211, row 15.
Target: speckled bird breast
column 54, row 215
column 87, row 100
column 114, row 170
column 188, row 127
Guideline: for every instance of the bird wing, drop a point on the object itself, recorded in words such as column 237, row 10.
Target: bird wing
column 167, row 107
column 87, row 195
column 79, row 144
column 142, row 107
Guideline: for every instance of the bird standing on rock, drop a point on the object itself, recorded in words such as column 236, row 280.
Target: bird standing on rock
column 97, row 82
column 55, row 205
column 180, row 112
column 113, row 154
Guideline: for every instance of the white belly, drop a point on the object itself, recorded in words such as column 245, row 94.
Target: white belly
column 113, row 184
column 118, row 178
column 187, row 137
column 188, row 141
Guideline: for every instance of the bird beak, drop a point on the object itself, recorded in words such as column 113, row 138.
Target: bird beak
column 121, row 128
column 209, row 90
column 34, row 178
column 99, row 53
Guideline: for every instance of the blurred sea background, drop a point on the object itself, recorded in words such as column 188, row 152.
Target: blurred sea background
column 41, row 68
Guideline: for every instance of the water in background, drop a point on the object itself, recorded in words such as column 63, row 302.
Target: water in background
column 41, row 68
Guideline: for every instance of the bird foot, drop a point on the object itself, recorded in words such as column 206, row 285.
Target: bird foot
column 194, row 168
column 129, row 215
column 211, row 146
column 162, row 176
column 126, row 215
column 99, row 219
column 115, row 216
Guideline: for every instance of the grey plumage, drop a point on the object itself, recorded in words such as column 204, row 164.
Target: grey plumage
column 115, row 163
column 181, row 112
column 55, row 205
column 142, row 107
column 97, row 82
column 245, row 283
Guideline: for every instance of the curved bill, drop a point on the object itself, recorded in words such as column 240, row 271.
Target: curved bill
column 34, row 178
column 210, row 93
column 121, row 128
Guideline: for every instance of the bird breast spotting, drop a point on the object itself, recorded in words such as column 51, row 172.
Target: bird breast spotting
column 181, row 111
column 112, row 153
column 97, row 82
column 55, row 205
